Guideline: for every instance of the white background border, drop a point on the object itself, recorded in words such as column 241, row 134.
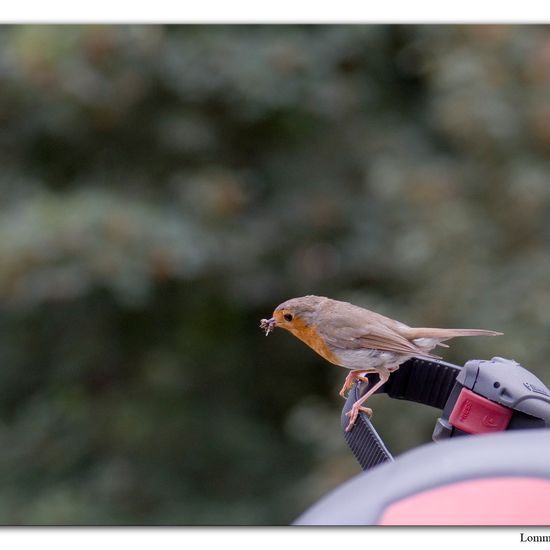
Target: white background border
column 279, row 11
column 276, row 11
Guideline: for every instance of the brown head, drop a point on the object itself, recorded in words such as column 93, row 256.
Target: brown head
column 294, row 315
column 300, row 317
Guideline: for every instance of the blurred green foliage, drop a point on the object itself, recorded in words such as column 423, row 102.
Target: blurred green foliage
column 164, row 187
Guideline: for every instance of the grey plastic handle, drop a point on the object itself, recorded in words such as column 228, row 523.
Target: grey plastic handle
column 508, row 383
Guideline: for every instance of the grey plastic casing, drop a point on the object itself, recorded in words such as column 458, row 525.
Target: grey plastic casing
column 517, row 453
column 363, row 499
column 508, row 383
column 503, row 381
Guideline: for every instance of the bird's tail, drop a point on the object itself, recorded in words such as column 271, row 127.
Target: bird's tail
column 443, row 334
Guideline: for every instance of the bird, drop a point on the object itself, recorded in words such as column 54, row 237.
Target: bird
column 358, row 339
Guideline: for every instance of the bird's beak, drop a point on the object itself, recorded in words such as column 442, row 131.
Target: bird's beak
column 268, row 325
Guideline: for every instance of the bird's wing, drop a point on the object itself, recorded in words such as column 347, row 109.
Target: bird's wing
column 343, row 333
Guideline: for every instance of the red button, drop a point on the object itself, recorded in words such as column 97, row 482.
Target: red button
column 475, row 414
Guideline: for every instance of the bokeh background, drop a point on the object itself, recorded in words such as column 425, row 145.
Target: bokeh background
column 162, row 188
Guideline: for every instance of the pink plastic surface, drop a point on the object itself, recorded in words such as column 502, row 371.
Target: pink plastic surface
column 493, row 501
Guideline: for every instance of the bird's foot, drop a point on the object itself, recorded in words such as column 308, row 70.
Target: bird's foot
column 354, row 413
column 343, row 391
column 350, row 379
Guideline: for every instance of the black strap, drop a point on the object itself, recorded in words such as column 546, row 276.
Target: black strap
column 363, row 439
column 423, row 381
column 419, row 380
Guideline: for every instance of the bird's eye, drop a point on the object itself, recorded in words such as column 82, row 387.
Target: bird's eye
column 287, row 317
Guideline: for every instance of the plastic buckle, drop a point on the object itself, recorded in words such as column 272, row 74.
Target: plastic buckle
column 475, row 414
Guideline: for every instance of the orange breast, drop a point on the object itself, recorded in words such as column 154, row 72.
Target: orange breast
column 310, row 336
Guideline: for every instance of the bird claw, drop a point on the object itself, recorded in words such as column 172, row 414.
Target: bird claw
column 343, row 392
column 350, row 379
column 354, row 413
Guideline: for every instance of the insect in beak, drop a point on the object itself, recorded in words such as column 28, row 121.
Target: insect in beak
column 268, row 325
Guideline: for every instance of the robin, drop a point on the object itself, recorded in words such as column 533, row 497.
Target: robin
column 358, row 339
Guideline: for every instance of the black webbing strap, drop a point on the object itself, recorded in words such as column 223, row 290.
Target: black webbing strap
column 423, row 381
column 419, row 380
column 363, row 439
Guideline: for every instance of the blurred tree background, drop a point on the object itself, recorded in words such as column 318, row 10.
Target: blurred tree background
column 164, row 187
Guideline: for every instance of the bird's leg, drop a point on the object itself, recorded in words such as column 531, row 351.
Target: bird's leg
column 384, row 374
column 352, row 376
